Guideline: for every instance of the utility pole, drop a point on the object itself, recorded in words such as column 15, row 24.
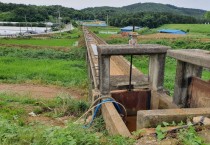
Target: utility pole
column 20, row 28
column 46, row 25
column 59, row 19
column 107, row 19
column 26, row 23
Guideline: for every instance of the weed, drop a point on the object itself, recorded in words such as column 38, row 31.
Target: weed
column 190, row 137
column 99, row 125
column 43, row 66
column 161, row 134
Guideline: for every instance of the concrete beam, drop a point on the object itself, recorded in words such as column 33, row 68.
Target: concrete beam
column 152, row 118
column 113, row 121
column 104, row 74
column 156, row 71
column 184, row 72
column 160, row 100
column 144, row 49
column 194, row 56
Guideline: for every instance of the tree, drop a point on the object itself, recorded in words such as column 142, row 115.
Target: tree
column 207, row 16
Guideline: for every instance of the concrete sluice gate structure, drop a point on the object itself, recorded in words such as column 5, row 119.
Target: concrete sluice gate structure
column 146, row 102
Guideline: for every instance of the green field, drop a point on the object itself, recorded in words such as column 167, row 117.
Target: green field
column 39, row 42
column 66, row 39
column 193, row 28
column 43, row 66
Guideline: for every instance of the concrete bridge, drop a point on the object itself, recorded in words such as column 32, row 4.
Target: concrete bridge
column 144, row 98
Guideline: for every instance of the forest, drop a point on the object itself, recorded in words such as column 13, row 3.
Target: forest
column 133, row 14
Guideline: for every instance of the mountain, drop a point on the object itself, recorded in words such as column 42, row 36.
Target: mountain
column 151, row 7
column 143, row 14
column 157, row 7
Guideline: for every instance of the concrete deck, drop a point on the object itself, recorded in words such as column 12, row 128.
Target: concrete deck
column 134, row 50
column 192, row 56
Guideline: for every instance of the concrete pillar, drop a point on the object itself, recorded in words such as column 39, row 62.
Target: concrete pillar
column 184, row 72
column 156, row 71
column 104, row 74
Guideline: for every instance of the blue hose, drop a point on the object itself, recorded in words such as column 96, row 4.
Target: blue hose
column 98, row 106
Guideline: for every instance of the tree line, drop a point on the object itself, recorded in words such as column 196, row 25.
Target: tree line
column 117, row 17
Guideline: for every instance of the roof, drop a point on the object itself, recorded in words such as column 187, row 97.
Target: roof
column 172, row 31
column 129, row 28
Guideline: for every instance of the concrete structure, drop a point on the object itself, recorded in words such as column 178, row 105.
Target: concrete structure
column 157, row 55
column 152, row 118
column 190, row 91
column 189, row 64
column 109, row 73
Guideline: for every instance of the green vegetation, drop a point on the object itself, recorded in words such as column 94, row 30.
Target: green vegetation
column 66, row 39
column 15, row 128
column 47, row 66
column 70, row 135
column 192, row 28
column 149, row 15
column 190, row 137
column 186, row 136
column 39, row 42
column 15, row 108
column 207, row 16
column 158, row 7
column 43, row 66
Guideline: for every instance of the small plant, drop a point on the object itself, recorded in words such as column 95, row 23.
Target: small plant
column 161, row 134
column 190, row 137
column 137, row 134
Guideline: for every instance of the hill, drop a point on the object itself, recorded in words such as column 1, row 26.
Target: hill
column 157, row 7
column 150, row 15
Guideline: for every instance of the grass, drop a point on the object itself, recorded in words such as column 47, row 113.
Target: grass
column 47, row 66
column 193, row 28
column 40, row 42
column 16, row 129
column 43, row 66
column 66, row 39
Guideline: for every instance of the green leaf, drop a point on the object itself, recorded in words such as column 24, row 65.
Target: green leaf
column 165, row 124
column 173, row 123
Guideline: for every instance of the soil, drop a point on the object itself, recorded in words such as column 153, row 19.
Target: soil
column 50, row 121
column 39, row 91
column 58, row 48
column 152, row 36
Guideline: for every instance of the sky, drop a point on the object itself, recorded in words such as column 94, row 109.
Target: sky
column 80, row 4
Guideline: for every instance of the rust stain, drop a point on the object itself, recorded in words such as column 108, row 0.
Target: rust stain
column 131, row 123
column 134, row 100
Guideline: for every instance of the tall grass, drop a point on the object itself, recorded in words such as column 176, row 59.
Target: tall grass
column 43, row 66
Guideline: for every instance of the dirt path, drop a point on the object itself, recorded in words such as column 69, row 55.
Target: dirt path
column 38, row 91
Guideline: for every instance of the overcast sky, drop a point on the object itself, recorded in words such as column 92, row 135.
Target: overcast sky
column 79, row 4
